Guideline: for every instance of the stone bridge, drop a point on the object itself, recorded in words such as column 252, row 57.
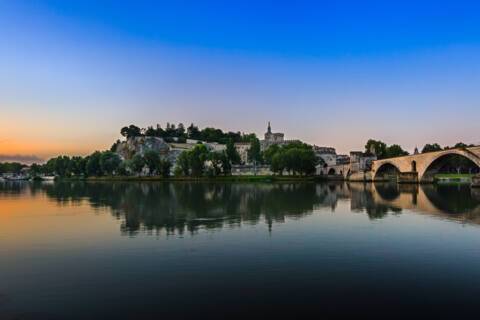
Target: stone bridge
column 421, row 167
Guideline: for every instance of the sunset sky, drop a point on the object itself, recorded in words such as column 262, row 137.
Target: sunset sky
column 333, row 73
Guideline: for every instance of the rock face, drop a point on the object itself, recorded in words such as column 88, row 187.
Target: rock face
column 138, row 145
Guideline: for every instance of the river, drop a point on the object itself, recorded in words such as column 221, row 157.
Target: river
column 224, row 250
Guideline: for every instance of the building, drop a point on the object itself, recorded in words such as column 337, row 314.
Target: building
column 271, row 138
column 242, row 149
column 333, row 164
column 361, row 161
column 326, row 155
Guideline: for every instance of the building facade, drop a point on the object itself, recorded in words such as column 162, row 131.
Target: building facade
column 271, row 138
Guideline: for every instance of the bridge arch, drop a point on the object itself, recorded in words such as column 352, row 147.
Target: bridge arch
column 387, row 171
column 331, row 172
column 429, row 168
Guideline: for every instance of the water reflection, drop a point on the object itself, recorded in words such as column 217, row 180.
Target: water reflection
column 181, row 207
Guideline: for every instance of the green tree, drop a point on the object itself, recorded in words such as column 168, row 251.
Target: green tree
column 254, row 153
column 226, row 165
column 379, row 148
column 93, row 167
column 131, row 131
column 122, row 168
column 193, row 132
column 270, row 152
column 152, row 160
column 60, row 165
column 35, row 169
column 395, row 151
column 277, row 163
column 431, row 147
column 232, row 153
column 183, row 164
column 165, row 167
column 77, row 165
column 109, row 162
column 216, row 161
column 137, row 163
column 196, row 158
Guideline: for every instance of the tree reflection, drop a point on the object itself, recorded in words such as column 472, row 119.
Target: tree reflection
column 180, row 207
column 176, row 208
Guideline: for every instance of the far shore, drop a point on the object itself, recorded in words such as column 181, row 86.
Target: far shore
column 246, row 178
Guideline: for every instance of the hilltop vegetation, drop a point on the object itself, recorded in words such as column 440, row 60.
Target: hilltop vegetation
column 179, row 133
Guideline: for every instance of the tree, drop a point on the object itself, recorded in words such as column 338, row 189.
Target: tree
column 270, row 152
column 226, row 165
column 131, row 131
column 254, row 153
column 395, row 151
column 77, row 165
column 180, row 130
column 165, row 167
column 193, row 132
column 277, row 163
column 60, row 165
column 216, row 161
column 109, row 162
column 196, row 159
column 35, row 169
column 93, row 167
column 307, row 161
column 11, row 167
column 152, row 160
column 462, row 145
column 183, row 165
column 232, row 153
column 114, row 146
column 296, row 158
column 378, row 148
column 150, row 132
column 431, row 147
column 137, row 163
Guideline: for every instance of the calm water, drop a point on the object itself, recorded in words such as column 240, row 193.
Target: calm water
column 193, row 250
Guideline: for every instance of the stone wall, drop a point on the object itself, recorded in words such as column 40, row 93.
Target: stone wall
column 251, row 170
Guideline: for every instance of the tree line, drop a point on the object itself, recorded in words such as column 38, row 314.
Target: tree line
column 180, row 133
column 431, row 147
column 11, row 167
column 102, row 163
column 384, row 151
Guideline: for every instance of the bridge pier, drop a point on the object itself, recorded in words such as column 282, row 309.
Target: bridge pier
column 408, row 177
column 476, row 181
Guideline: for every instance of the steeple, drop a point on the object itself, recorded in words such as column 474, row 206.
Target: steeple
column 269, row 129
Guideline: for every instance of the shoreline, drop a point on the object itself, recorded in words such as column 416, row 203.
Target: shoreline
column 197, row 179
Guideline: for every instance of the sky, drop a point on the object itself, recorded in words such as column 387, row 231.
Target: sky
column 331, row 73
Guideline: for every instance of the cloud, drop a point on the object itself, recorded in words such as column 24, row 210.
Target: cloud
column 20, row 158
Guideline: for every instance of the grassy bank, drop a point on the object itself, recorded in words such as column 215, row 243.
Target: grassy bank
column 454, row 176
column 251, row 178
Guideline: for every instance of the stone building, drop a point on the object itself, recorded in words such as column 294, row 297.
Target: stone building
column 326, row 155
column 271, row 138
column 242, row 149
column 340, row 165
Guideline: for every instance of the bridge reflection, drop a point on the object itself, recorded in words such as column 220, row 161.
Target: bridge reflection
column 188, row 207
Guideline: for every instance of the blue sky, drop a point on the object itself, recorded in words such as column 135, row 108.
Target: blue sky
column 331, row 73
